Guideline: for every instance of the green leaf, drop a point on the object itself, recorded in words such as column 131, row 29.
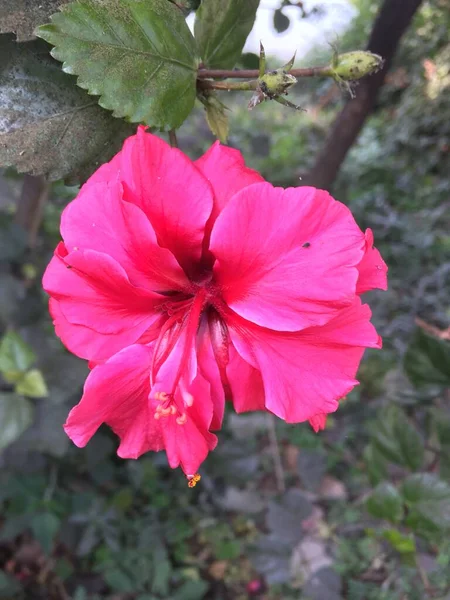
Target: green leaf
column 45, row 526
column 16, row 415
column 221, row 28
column 427, row 360
column 15, row 354
column 375, row 463
column 395, row 437
column 23, row 16
column 385, row 503
column 191, row 590
column 49, row 126
column 428, row 500
column 216, row 117
column 404, row 544
column 138, row 56
column 32, row 385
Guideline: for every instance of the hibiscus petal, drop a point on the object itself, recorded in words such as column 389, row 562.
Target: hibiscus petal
column 372, row 269
column 286, row 259
column 208, row 368
column 318, row 422
column 116, row 393
column 225, row 169
column 170, row 190
column 93, row 291
column 98, row 219
column 305, row 373
column 187, row 445
column 247, row 389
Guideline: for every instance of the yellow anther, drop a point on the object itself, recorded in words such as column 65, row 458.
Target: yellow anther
column 165, row 412
column 173, row 409
column 193, row 480
column 181, row 420
column 157, row 415
column 161, row 396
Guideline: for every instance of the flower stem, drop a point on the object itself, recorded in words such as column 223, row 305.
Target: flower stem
column 228, row 85
column 254, row 73
column 173, row 138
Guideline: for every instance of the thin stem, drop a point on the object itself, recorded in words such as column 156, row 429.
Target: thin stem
column 173, row 138
column 279, row 471
column 254, row 73
column 228, row 85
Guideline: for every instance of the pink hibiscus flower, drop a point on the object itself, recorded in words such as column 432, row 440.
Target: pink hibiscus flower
column 188, row 283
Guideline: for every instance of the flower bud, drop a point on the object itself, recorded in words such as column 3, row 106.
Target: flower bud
column 276, row 83
column 351, row 66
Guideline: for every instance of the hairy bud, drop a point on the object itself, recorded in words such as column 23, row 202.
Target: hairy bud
column 351, row 66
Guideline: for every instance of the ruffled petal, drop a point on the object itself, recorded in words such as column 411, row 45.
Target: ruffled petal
column 307, row 372
column 97, row 311
column 225, row 169
column 372, row 268
column 318, row 422
column 116, row 393
column 209, row 369
column 171, row 191
column 286, row 259
column 99, row 219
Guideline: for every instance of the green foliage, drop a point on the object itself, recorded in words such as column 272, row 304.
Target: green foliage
column 221, row 28
column 427, row 360
column 395, row 438
column 16, row 415
column 386, row 503
column 138, row 56
column 428, row 500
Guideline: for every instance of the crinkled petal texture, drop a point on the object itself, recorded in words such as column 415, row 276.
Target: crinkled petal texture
column 305, row 373
column 286, row 259
column 185, row 284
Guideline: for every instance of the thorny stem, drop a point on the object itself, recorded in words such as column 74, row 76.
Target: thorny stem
column 279, row 471
column 173, row 138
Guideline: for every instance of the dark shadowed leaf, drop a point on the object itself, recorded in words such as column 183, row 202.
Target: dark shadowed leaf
column 23, row 16
column 221, row 28
column 16, row 414
column 48, row 126
column 385, row 503
column 427, row 360
column 45, row 526
column 286, row 516
column 375, row 463
column 280, row 21
column 138, row 56
column 428, row 500
column 395, row 437
column 8, row 586
column 216, row 116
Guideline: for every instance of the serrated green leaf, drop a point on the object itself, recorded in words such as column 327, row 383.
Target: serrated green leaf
column 45, row 526
column 32, row 385
column 15, row 355
column 138, row 56
column 428, row 500
column 16, row 415
column 427, row 360
column 49, row 126
column 395, row 437
column 23, row 16
column 221, row 28
column 385, row 503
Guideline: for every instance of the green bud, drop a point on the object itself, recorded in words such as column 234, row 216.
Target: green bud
column 275, row 83
column 351, row 66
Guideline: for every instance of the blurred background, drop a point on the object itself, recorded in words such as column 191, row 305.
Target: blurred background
column 360, row 511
